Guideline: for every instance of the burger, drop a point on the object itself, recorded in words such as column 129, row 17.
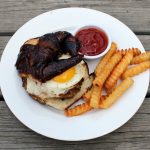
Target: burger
column 52, row 70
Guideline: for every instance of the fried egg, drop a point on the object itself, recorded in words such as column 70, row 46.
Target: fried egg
column 60, row 84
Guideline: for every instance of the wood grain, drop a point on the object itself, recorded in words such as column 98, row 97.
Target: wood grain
column 134, row 135
column 3, row 41
column 134, row 13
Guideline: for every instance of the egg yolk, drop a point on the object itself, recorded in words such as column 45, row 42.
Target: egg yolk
column 65, row 76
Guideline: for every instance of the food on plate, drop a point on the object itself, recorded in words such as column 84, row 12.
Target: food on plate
column 103, row 97
column 52, row 71
column 68, row 42
column 33, row 41
column 110, row 90
column 87, row 95
column 100, row 79
column 119, row 90
column 95, row 93
column 114, row 60
column 135, row 70
column 116, row 64
column 141, row 58
column 105, row 59
column 65, row 85
column 42, row 60
column 78, row 110
column 95, row 97
column 118, row 71
column 63, row 104
column 135, row 51
column 93, row 41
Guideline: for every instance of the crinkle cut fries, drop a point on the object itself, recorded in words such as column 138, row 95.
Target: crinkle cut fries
column 112, row 67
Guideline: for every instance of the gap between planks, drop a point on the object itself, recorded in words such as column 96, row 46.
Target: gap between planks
column 135, row 32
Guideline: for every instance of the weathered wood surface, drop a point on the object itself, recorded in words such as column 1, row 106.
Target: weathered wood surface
column 134, row 13
column 134, row 135
column 3, row 42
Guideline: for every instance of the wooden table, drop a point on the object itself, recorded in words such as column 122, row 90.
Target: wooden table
column 134, row 135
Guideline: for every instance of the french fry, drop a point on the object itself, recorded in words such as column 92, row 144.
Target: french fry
column 135, row 51
column 105, row 59
column 78, row 110
column 103, row 97
column 110, row 90
column 87, row 95
column 141, row 58
column 118, row 71
column 95, row 97
column 135, row 70
column 119, row 90
column 99, row 80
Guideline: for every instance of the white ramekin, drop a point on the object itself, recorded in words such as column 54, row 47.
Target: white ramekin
column 108, row 46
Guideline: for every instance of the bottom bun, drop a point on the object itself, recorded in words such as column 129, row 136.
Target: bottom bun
column 64, row 104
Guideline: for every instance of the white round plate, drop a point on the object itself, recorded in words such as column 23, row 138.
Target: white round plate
column 48, row 121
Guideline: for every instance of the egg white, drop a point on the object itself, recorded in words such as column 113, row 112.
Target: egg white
column 52, row 88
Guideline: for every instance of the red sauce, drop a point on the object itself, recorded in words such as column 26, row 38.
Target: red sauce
column 93, row 41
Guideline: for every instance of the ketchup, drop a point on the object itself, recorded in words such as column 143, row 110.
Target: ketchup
column 93, row 41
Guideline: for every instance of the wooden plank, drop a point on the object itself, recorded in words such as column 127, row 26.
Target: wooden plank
column 134, row 135
column 134, row 13
column 3, row 41
column 144, row 39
